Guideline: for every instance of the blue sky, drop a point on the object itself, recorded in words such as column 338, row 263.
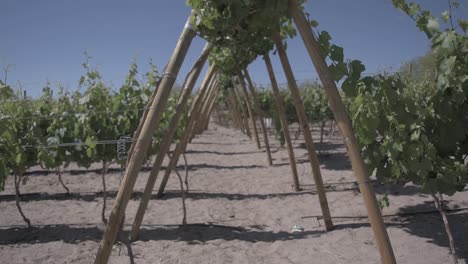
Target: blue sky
column 45, row 40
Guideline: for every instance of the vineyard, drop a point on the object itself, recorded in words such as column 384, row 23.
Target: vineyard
column 371, row 170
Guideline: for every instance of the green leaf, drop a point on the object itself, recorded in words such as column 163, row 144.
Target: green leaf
column 383, row 202
column 3, row 175
column 18, row 158
column 445, row 16
column 338, row 71
column 463, row 24
column 415, row 135
column 398, row 146
column 336, row 53
column 433, row 25
column 314, row 23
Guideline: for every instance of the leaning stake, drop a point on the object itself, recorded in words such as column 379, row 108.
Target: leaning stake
column 142, row 145
column 242, row 112
column 210, row 110
column 260, row 115
column 169, row 134
column 314, row 161
column 249, row 108
column 201, row 117
column 284, row 122
column 344, row 124
column 180, row 147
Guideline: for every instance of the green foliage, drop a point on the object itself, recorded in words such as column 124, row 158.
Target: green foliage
column 55, row 131
column 6, row 92
column 240, row 21
column 16, row 134
column 315, row 103
column 267, row 104
column 240, row 30
column 416, row 130
column 314, row 100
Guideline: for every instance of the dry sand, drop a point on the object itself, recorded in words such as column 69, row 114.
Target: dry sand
column 240, row 210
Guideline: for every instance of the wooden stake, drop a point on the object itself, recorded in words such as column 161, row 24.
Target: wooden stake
column 199, row 121
column 189, row 83
column 242, row 111
column 235, row 117
column 210, row 110
column 344, row 124
column 198, row 125
column 142, row 145
column 284, row 122
column 314, row 161
column 181, row 146
column 235, row 107
column 259, row 114
column 136, row 134
column 249, row 108
column 322, row 126
column 204, row 115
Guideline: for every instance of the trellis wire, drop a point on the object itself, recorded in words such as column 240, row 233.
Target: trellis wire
column 65, row 114
column 74, row 144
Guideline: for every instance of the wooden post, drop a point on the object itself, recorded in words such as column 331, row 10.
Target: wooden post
column 189, row 83
column 284, row 121
column 249, row 108
column 243, row 111
column 235, row 124
column 314, row 161
column 344, row 124
column 259, row 114
column 230, row 109
column 136, row 134
column 209, row 106
column 235, row 117
column 235, row 107
column 210, row 110
column 322, row 127
column 181, row 146
column 199, row 122
column 142, row 145
column 198, row 125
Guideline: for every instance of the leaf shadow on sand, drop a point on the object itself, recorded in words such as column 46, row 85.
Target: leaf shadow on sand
column 136, row 195
column 431, row 226
column 307, row 189
column 220, row 167
column 227, row 153
column 192, row 234
column 423, row 221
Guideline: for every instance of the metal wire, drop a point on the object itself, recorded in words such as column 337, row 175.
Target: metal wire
column 74, row 144
column 65, row 114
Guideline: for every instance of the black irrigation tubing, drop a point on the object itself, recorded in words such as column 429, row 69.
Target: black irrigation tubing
column 452, row 210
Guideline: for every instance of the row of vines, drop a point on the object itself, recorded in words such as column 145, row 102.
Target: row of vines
column 93, row 125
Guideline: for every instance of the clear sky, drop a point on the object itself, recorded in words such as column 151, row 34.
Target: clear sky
column 45, row 39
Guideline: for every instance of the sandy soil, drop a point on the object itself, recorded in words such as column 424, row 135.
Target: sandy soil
column 240, row 210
